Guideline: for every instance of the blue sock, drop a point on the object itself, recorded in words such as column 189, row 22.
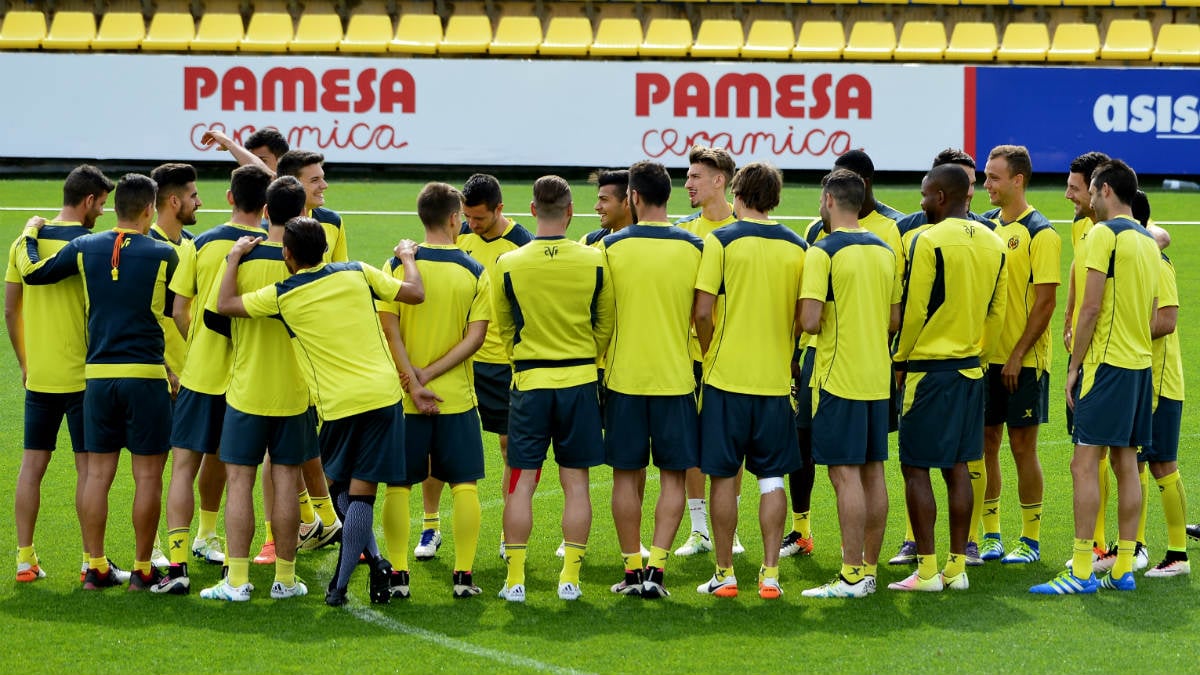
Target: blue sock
column 357, row 533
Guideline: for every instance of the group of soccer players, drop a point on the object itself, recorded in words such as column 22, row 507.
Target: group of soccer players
column 722, row 343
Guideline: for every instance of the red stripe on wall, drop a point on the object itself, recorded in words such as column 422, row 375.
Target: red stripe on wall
column 969, row 110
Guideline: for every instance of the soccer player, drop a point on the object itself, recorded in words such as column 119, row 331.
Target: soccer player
column 612, row 204
column 745, row 411
column 851, row 303
column 441, row 334
column 328, row 309
column 46, row 325
column 650, row 409
column 486, row 234
column 1018, row 376
column 953, row 310
column 1110, row 383
column 126, row 401
column 263, row 147
column 553, row 304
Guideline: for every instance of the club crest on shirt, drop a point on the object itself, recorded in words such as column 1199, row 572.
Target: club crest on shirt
column 1013, row 243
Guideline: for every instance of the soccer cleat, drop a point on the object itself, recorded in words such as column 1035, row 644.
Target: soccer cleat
column 869, row 580
column 223, row 591
column 209, row 550
column 907, row 555
column 157, row 559
column 957, row 582
column 309, row 532
column 630, row 585
column 176, row 581
column 738, row 549
column 1193, row 531
column 724, row 588
column 652, row 584
column 839, row 588
column 561, row 551
column 914, row 582
column 769, row 588
column 1141, row 557
column 1125, row 582
column 1169, row 568
column 281, row 592
column 93, row 580
column 1066, row 583
column 427, row 548
column 503, row 556
column 27, row 572
column 972, row 555
column 794, row 544
column 122, row 575
column 514, row 593
column 464, row 587
column 146, row 582
column 1105, row 562
column 991, row 548
column 697, row 542
column 569, row 591
column 266, row 556
column 379, row 586
column 1026, row 551
column 330, row 534
column 334, row 596
column 398, row 584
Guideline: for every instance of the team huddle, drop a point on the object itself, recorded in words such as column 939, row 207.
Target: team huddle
column 723, row 343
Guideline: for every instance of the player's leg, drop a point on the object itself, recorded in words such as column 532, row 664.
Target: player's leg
column 27, row 502
column 239, row 528
column 875, row 496
column 991, row 547
column 668, row 514
column 922, row 513
column 700, row 539
column 102, row 469
column 1030, row 487
column 181, row 502
column 723, row 504
column 322, row 502
column 267, row 554
column 210, row 484
column 285, row 515
column 959, row 502
column 1163, row 455
column 1129, row 507
column 431, row 524
column 852, row 518
column 627, row 516
column 576, row 526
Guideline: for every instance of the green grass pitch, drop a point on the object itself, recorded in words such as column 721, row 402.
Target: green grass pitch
column 996, row 626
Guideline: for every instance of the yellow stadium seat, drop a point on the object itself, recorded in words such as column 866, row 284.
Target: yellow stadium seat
column 986, row 2
column 719, row 39
column 769, row 39
column 273, row 32
column 1182, row 3
column 667, row 37
column 1087, row 3
column 921, row 41
column 467, row 34
column 218, row 32
column 1074, row 42
column 1025, row 41
column 820, row 41
column 617, row 37
column 1126, row 40
column 71, row 30
column 516, row 35
column 170, row 31
column 870, row 41
column 1137, row 3
column 120, row 31
column 1177, row 43
column 315, row 32
column 367, row 32
column 22, row 30
column 417, row 34
column 972, row 41
column 567, row 36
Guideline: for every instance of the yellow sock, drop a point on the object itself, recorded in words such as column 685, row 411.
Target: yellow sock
column 177, row 545
column 285, row 571
column 432, row 521
column 1101, row 519
column 853, row 573
column 927, row 566
column 800, row 523
column 467, row 518
column 25, row 554
column 99, row 564
column 324, row 508
column 978, row 471
column 633, row 561
column 572, row 562
column 724, row 572
column 1124, row 562
column 1031, row 521
column 515, row 558
column 1174, row 508
column 768, row 572
column 142, row 566
column 1144, row 478
column 658, row 557
column 991, row 516
column 1081, row 559
column 869, row 570
column 307, row 514
column 270, row 535
column 956, row 564
column 208, row 524
column 908, row 533
column 239, row 571
column 396, row 528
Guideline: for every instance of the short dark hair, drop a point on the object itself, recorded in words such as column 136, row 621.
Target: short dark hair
column 954, row 156
column 172, row 177
column 714, row 158
column 286, row 199
column 857, row 161
column 249, row 187
column 437, row 203
column 271, row 138
column 1120, row 177
column 293, row 162
column 482, row 188
column 618, row 178
column 951, row 181
column 651, row 181
column 847, row 188
column 134, row 193
column 1141, row 208
column 1017, row 156
column 551, row 196
column 758, row 185
column 305, row 240
column 84, row 181
column 1086, row 163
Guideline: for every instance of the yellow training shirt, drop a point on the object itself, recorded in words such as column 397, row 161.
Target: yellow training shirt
column 336, row 247
column 486, row 251
column 176, row 350
column 1168, row 359
column 1032, row 251
column 1129, row 258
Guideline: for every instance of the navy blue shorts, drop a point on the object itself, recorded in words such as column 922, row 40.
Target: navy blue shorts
column 569, row 418
column 198, row 420
column 127, row 412
column 1114, row 407
column 492, row 382
column 368, row 446
column 1028, row 406
column 448, row 447
column 849, row 432
column 941, row 419
column 759, row 430
column 637, row 427
column 44, row 414
column 804, row 390
column 1168, row 417
column 290, row 441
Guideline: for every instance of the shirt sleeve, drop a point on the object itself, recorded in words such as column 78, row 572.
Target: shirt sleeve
column 340, row 251
column 35, row 270
column 1101, row 243
column 13, row 275
column 481, row 305
column 262, row 303
column 502, row 309
column 815, row 279
column 916, row 297
column 993, row 324
column 1044, row 253
column 384, row 286
column 605, row 318
column 183, row 281
column 710, row 278
column 1168, row 291
column 390, row 305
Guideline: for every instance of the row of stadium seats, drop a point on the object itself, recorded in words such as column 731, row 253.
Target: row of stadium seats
column 1124, row 39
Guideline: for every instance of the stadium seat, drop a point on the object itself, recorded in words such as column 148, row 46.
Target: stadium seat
column 921, row 41
column 1177, row 43
column 368, row 32
column 417, row 34
column 315, row 32
column 466, row 34
column 870, row 41
column 667, row 37
column 1025, row 41
column 820, row 41
column 1074, row 42
column 1182, row 3
column 719, row 39
column 514, row 35
column 120, row 31
column 1087, row 3
column 218, row 32
column 273, row 32
column 1126, row 40
column 984, row 2
column 71, row 30
column 617, row 37
column 567, row 36
column 769, row 39
column 170, row 31
column 22, row 29
column 972, row 41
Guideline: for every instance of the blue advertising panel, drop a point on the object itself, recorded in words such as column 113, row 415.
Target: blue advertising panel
column 1149, row 117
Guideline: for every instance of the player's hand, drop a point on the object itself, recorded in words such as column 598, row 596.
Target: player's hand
column 407, row 248
column 1067, row 335
column 35, row 222
column 1072, row 379
column 242, row 247
column 24, row 375
column 422, row 376
column 426, row 400
column 173, row 380
column 215, row 137
column 1011, row 373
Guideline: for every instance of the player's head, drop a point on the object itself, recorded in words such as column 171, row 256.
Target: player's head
column 134, row 200
column 309, row 167
column 304, row 243
column 612, row 197
column 483, row 205
column 1078, row 180
column 842, row 196
column 1140, row 208
column 177, row 194
column 248, row 188
column 439, row 206
column 85, row 191
column 757, row 186
column 857, row 161
column 961, row 159
column 1007, row 174
column 285, row 200
column 1113, row 189
column 649, row 187
column 551, row 201
column 268, row 145
column 709, row 174
column 944, row 193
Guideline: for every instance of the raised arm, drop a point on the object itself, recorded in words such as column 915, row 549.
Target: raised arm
column 240, row 154
column 229, row 302
column 412, row 291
